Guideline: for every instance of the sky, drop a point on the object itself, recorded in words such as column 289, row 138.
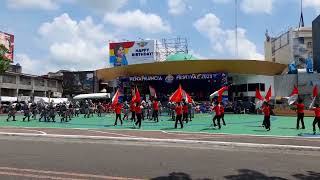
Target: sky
column 74, row 34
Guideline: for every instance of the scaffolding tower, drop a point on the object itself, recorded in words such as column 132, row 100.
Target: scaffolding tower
column 166, row 47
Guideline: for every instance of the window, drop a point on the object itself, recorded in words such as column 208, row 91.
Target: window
column 262, row 87
column 253, row 87
column 51, row 83
column 309, row 45
column 242, row 88
column 25, row 80
column 39, row 82
column 9, row 79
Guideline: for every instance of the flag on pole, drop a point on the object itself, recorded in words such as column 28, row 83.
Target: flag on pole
column 187, row 97
column 137, row 96
column 268, row 95
column 293, row 96
column 133, row 94
column 219, row 92
column 314, row 95
column 177, row 95
column 260, row 99
column 152, row 92
column 315, row 91
column 115, row 98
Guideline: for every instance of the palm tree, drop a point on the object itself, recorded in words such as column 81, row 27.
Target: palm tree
column 4, row 61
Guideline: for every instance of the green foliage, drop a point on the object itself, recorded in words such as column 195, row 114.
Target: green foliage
column 4, row 62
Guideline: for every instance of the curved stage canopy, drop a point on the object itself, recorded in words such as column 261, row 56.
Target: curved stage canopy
column 193, row 66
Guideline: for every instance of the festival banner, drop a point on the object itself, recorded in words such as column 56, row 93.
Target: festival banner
column 132, row 52
column 8, row 41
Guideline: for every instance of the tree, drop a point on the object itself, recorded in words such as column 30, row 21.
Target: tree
column 4, row 61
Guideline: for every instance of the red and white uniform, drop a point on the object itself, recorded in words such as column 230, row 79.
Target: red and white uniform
column 266, row 110
column 217, row 110
column 138, row 110
column 118, row 109
column 316, row 112
column 300, row 108
column 178, row 110
column 155, row 106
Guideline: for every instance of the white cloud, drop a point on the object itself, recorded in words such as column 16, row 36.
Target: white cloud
column 143, row 2
column 30, row 66
column 177, row 7
column 33, row 4
column 221, row 1
column 313, row 4
column 197, row 55
column 104, row 5
column 223, row 40
column 257, row 6
column 96, row 5
column 147, row 22
column 82, row 45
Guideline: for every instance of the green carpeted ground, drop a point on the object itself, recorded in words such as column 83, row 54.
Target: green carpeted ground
column 236, row 124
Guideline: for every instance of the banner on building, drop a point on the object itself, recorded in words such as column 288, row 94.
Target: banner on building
column 8, row 41
column 170, row 78
column 79, row 82
column 132, row 52
column 301, row 52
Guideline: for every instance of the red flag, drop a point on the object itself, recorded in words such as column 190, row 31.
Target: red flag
column 219, row 92
column 315, row 91
column 152, row 92
column 293, row 96
column 187, row 97
column 268, row 95
column 177, row 95
column 258, row 95
column 260, row 99
column 137, row 96
column 115, row 98
column 133, row 94
column 294, row 91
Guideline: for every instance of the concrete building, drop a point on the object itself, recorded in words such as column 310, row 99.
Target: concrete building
column 76, row 82
column 14, row 83
column 316, row 43
column 292, row 45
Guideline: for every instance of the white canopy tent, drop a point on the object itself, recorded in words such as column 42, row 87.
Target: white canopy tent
column 92, row 96
column 47, row 100
column 8, row 99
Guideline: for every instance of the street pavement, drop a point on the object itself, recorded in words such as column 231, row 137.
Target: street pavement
column 171, row 135
column 60, row 158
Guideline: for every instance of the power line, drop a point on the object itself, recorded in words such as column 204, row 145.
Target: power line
column 236, row 27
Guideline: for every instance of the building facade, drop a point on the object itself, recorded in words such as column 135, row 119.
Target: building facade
column 295, row 45
column 14, row 83
column 316, row 43
column 76, row 82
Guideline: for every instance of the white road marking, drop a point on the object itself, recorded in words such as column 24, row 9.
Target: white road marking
column 117, row 134
column 150, row 140
column 22, row 172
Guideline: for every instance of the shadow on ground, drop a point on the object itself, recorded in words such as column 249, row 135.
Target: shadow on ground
column 311, row 175
column 247, row 174
column 287, row 128
column 176, row 176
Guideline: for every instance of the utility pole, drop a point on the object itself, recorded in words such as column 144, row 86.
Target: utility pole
column 301, row 24
column 236, row 27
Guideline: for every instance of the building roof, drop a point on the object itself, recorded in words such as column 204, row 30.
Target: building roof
column 193, row 66
column 181, row 57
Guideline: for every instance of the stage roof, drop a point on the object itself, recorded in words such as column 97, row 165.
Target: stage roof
column 193, row 66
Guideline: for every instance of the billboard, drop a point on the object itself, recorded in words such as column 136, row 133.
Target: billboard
column 131, row 52
column 78, row 82
column 8, row 41
column 301, row 53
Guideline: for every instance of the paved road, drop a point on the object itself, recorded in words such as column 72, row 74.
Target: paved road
column 50, row 158
column 296, row 141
